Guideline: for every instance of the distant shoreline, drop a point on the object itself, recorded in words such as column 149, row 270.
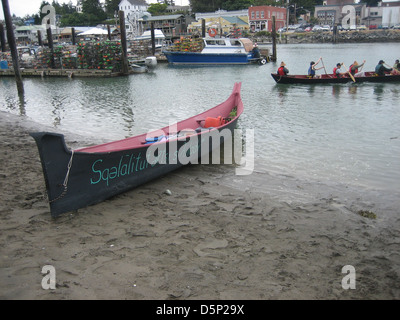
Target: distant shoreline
column 356, row 36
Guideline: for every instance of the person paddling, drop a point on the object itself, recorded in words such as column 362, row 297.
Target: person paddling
column 380, row 69
column 312, row 68
column 282, row 70
column 396, row 68
column 355, row 66
column 337, row 72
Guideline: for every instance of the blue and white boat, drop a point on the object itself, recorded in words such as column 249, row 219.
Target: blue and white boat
column 215, row 51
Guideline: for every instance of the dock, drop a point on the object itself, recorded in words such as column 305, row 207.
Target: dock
column 66, row 73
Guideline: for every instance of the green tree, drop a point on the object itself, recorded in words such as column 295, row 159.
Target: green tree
column 205, row 5
column 231, row 5
column 157, row 9
column 371, row 3
column 40, row 14
column 112, row 6
column 93, row 12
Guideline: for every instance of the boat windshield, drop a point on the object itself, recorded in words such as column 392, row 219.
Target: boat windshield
column 235, row 42
column 215, row 42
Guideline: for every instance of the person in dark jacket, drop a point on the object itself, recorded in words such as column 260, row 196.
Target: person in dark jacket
column 380, row 69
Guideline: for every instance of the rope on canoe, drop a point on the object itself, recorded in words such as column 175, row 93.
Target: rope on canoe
column 65, row 184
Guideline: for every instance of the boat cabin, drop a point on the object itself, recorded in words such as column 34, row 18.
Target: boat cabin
column 227, row 45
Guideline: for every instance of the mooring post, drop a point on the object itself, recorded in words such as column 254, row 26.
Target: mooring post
column 108, row 32
column 125, row 68
column 153, row 40
column 73, row 36
column 39, row 36
column 50, row 44
column 334, row 34
column 273, row 58
column 2, row 38
column 203, row 28
column 13, row 46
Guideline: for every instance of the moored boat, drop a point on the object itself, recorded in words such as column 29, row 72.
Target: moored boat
column 159, row 37
column 214, row 51
column 83, row 177
column 328, row 78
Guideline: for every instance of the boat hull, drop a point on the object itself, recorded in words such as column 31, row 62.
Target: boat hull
column 198, row 58
column 76, row 179
column 328, row 79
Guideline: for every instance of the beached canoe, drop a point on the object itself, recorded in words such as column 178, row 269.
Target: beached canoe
column 328, row 78
column 78, row 178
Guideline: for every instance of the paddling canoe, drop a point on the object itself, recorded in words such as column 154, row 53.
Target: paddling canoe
column 78, row 178
column 329, row 79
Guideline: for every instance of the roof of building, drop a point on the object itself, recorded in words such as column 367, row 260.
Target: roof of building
column 166, row 17
column 235, row 20
column 138, row 2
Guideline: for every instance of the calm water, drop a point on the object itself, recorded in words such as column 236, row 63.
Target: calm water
column 347, row 133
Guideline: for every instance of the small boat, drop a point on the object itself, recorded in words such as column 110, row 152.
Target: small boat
column 214, row 51
column 369, row 76
column 135, row 68
column 159, row 37
column 79, row 178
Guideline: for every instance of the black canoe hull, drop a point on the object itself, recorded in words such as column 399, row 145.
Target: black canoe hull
column 300, row 79
column 78, row 179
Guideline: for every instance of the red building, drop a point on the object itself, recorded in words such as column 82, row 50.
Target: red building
column 260, row 18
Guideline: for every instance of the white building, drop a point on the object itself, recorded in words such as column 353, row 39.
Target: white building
column 134, row 11
column 79, row 6
column 390, row 13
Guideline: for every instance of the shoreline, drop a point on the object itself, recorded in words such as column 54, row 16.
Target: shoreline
column 215, row 236
column 354, row 36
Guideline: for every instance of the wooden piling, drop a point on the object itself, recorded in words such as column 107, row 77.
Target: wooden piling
column 51, row 46
column 2, row 39
column 125, row 66
column 13, row 46
column 108, row 32
column 153, row 40
column 73, row 36
column 273, row 58
column 203, row 28
column 39, row 35
column 334, row 34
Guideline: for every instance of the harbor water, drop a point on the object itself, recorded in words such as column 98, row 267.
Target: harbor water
column 346, row 133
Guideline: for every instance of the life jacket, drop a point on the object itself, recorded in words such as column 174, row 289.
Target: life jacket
column 281, row 71
column 353, row 72
column 311, row 71
column 214, row 122
column 334, row 72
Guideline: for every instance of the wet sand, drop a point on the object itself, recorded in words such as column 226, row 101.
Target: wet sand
column 215, row 236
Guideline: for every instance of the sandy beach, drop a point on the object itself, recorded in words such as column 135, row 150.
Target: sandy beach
column 215, row 236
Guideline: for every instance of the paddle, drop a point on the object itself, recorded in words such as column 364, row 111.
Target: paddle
column 387, row 65
column 351, row 76
column 362, row 66
column 324, row 66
